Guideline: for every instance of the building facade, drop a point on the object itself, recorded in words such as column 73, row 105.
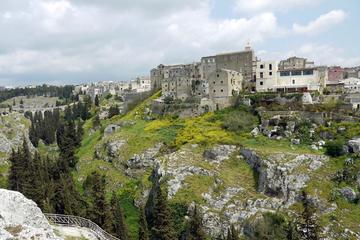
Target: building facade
column 223, row 85
column 266, row 76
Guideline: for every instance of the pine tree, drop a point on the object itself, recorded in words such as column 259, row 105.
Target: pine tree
column 14, row 175
column 309, row 229
column 195, row 229
column 162, row 225
column 118, row 220
column 97, row 102
column 67, row 199
column 143, row 228
column 95, row 188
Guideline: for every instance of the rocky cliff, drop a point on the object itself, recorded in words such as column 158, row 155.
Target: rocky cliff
column 20, row 218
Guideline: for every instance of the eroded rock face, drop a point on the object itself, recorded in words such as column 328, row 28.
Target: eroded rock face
column 348, row 193
column 219, row 153
column 144, row 160
column 20, row 218
column 354, row 145
column 283, row 175
column 113, row 147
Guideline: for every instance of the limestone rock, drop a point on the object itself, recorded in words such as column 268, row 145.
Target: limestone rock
column 348, row 193
column 113, row 147
column 219, row 153
column 111, row 129
column 354, row 145
column 279, row 174
column 21, row 218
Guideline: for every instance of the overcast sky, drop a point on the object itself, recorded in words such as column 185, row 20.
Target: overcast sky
column 75, row 41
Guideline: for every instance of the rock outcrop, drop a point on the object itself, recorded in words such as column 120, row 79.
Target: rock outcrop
column 283, row 175
column 20, row 218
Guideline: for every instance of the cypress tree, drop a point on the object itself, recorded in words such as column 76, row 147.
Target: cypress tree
column 14, row 175
column 162, row 225
column 97, row 102
column 143, row 228
column 118, row 224
column 195, row 229
column 98, row 211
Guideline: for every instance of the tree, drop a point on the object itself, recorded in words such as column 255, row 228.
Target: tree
column 118, row 224
column 269, row 226
column 98, row 211
column 143, row 228
column 15, row 171
column 21, row 101
column 308, row 227
column 194, row 229
column 96, row 121
column 96, row 101
column 113, row 111
column 334, row 148
column 162, row 225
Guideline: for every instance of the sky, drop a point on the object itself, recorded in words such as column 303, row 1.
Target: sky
column 77, row 41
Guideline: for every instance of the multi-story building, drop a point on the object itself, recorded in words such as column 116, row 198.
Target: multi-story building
column 208, row 66
column 266, row 76
column 223, row 84
column 292, row 75
column 243, row 62
column 183, row 82
column 295, row 63
column 336, row 74
column 141, row 84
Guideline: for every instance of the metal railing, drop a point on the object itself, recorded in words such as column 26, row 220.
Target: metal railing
column 74, row 221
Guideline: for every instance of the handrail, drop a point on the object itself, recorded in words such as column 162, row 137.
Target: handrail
column 75, row 221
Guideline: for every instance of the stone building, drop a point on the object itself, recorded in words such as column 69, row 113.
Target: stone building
column 183, row 82
column 140, row 84
column 295, row 63
column 266, row 76
column 208, row 66
column 223, row 85
column 243, row 62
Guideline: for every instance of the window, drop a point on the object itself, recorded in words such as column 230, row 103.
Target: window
column 293, row 81
column 270, row 73
column 284, row 73
column 309, row 72
column 261, row 75
column 218, row 75
column 222, row 82
column 261, row 66
column 222, row 90
column 261, row 83
column 296, row 73
column 214, row 90
column 270, row 67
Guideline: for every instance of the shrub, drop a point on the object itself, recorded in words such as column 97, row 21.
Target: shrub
column 270, row 226
column 239, row 121
column 334, row 148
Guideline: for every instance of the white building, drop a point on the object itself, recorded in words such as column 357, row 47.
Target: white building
column 291, row 75
column 141, row 84
column 266, row 76
column 351, row 85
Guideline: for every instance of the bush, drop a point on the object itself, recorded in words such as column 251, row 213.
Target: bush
column 270, row 226
column 334, row 148
column 239, row 121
